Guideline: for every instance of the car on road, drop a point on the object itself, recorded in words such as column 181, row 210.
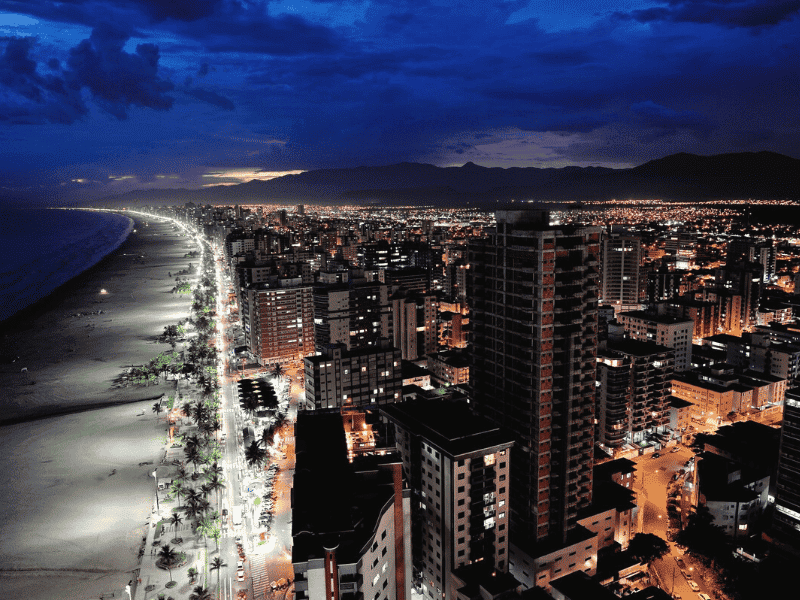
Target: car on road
column 704, row 596
column 693, row 585
column 655, row 455
column 685, row 574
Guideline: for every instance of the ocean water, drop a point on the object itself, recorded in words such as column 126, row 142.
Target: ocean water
column 41, row 249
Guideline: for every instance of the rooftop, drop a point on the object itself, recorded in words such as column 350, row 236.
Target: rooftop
column 655, row 318
column 362, row 490
column 450, row 426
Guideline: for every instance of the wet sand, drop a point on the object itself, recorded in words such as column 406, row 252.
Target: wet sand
column 74, row 498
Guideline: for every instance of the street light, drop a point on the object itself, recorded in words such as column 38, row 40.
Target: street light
column 158, row 508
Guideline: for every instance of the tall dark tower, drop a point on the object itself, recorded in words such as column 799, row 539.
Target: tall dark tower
column 534, row 291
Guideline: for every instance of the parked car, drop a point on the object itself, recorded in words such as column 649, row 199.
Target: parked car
column 240, row 575
column 655, row 455
column 704, row 596
column 693, row 585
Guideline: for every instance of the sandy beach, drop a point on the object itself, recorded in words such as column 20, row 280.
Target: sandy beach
column 75, row 490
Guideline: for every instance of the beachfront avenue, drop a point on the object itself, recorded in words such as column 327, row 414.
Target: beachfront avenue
column 257, row 527
column 204, row 536
column 221, row 523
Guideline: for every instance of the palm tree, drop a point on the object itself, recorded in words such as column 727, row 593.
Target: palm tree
column 178, row 491
column 193, row 495
column 267, row 436
column 193, row 510
column 157, row 409
column 200, row 593
column 278, row 371
column 169, row 557
column 176, row 520
column 215, row 484
column 182, row 474
column 251, row 404
column 213, row 470
column 254, row 454
column 217, row 564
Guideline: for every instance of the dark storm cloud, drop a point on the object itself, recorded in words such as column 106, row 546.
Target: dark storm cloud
column 180, row 10
column 211, row 98
column 728, row 13
column 655, row 115
column 253, row 32
column 117, row 79
column 93, row 12
column 33, row 98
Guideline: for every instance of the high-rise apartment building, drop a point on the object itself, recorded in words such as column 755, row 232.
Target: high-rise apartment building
column 414, row 323
column 787, row 493
column 457, row 466
column 620, row 283
column 533, row 293
column 634, row 383
column 278, row 322
column 345, row 378
column 356, row 314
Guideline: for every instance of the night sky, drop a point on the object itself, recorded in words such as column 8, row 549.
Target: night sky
column 102, row 96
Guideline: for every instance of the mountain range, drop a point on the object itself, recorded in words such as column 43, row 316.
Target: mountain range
column 680, row 177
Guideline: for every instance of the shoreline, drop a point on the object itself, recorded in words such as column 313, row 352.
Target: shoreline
column 15, row 320
column 77, row 493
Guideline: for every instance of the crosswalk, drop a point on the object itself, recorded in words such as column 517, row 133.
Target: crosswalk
column 260, row 575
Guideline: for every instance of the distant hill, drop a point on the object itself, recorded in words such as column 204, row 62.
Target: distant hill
column 756, row 175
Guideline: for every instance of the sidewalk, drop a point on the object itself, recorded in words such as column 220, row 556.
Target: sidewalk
column 153, row 581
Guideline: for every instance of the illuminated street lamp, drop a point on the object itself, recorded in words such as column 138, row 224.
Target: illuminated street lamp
column 158, row 509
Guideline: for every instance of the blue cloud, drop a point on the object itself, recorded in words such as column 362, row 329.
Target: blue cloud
column 728, row 13
column 117, row 79
column 211, row 98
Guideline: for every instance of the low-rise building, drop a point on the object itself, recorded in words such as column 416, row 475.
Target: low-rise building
column 449, row 368
column 680, row 415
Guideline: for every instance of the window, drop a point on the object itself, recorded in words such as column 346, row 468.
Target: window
column 460, row 489
column 502, row 490
column 502, row 478
column 461, row 553
column 461, row 516
column 461, row 475
column 461, row 502
column 461, row 527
